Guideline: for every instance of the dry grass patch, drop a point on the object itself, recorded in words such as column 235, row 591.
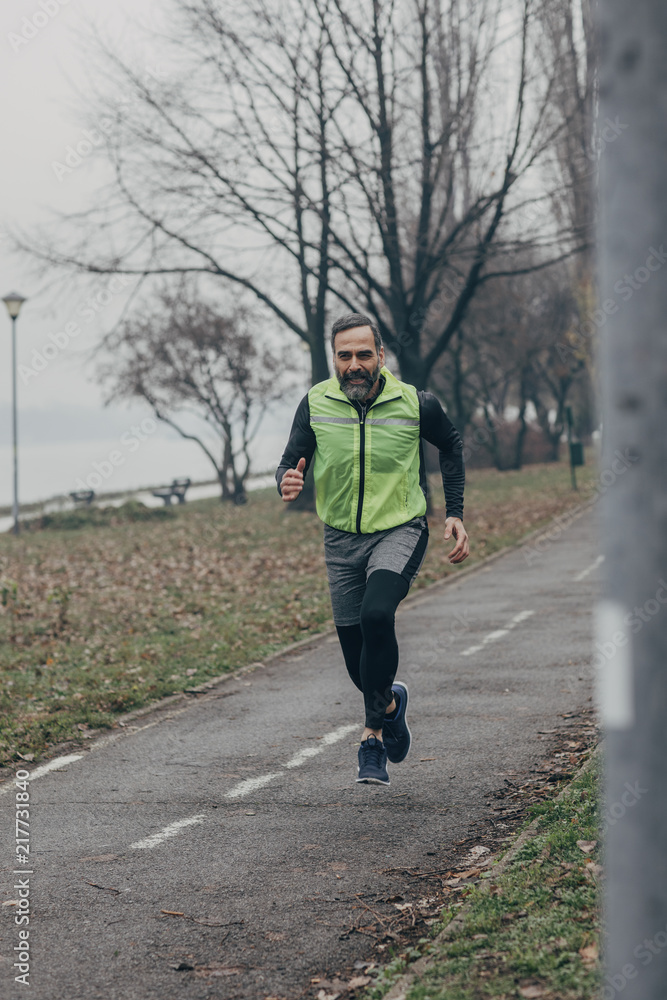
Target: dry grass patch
column 113, row 616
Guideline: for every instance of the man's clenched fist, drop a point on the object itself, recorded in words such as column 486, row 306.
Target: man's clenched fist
column 292, row 482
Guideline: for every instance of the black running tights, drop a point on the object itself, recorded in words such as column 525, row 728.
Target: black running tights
column 370, row 648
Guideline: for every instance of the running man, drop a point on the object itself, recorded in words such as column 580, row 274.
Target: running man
column 361, row 431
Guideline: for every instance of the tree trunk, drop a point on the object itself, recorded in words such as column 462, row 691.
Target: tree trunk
column 520, row 437
column 493, row 444
column 319, row 364
column 223, row 472
column 413, row 369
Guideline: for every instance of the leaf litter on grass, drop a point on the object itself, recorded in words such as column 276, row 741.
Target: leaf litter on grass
column 111, row 617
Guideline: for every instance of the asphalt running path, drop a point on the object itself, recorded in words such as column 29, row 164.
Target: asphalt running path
column 241, row 812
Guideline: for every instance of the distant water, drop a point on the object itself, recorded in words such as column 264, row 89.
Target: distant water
column 197, row 492
column 48, row 470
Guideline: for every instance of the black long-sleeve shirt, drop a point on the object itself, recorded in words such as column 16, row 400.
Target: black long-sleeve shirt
column 434, row 426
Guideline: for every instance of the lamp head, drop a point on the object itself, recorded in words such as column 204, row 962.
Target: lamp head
column 13, row 301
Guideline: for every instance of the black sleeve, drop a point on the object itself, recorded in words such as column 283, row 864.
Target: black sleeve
column 437, row 429
column 301, row 442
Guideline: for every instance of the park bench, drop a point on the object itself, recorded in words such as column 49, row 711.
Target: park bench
column 83, row 496
column 177, row 489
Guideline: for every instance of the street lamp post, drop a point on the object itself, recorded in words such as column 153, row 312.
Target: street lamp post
column 14, row 301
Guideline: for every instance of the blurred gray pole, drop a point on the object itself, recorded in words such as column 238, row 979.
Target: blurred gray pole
column 631, row 642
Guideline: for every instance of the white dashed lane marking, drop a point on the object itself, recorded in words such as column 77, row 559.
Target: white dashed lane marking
column 250, row 785
column 330, row 738
column 584, row 573
column 172, row 830
column 53, row 765
column 245, row 787
column 498, row 633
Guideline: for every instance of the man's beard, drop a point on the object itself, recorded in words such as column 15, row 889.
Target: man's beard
column 361, row 391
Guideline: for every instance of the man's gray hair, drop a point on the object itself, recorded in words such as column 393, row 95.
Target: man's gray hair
column 351, row 321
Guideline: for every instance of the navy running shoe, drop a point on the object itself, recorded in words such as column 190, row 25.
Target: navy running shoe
column 373, row 762
column 395, row 733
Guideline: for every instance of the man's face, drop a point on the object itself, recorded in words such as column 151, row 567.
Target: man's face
column 357, row 363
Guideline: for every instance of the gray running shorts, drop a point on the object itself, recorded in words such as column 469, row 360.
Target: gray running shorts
column 351, row 559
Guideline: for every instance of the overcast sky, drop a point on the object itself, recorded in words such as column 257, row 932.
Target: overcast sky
column 63, row 427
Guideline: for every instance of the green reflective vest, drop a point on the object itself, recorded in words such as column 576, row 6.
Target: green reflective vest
column 366, row 466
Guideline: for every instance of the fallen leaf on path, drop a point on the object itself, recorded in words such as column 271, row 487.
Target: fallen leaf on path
column 469, row 873
column 479, row 850
column 204, row 971
column 587, row 846
column 11, row 902
column 358, row 981
column 589, row 954
column 531, row 992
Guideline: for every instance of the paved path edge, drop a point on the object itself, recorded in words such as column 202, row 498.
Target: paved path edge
column 411, row 600
column 401, row 986
column 98, row 738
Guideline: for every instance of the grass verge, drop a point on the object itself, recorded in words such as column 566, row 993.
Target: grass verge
column 531, row 931
column 125, row 610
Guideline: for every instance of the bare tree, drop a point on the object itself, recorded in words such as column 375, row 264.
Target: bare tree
column 507, row 355
column 187, row 359
column 316, row 149
column 569, row 40
column 215, row 168
column 436, row 171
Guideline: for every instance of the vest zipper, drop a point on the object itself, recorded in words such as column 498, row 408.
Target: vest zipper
column 362, row 464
